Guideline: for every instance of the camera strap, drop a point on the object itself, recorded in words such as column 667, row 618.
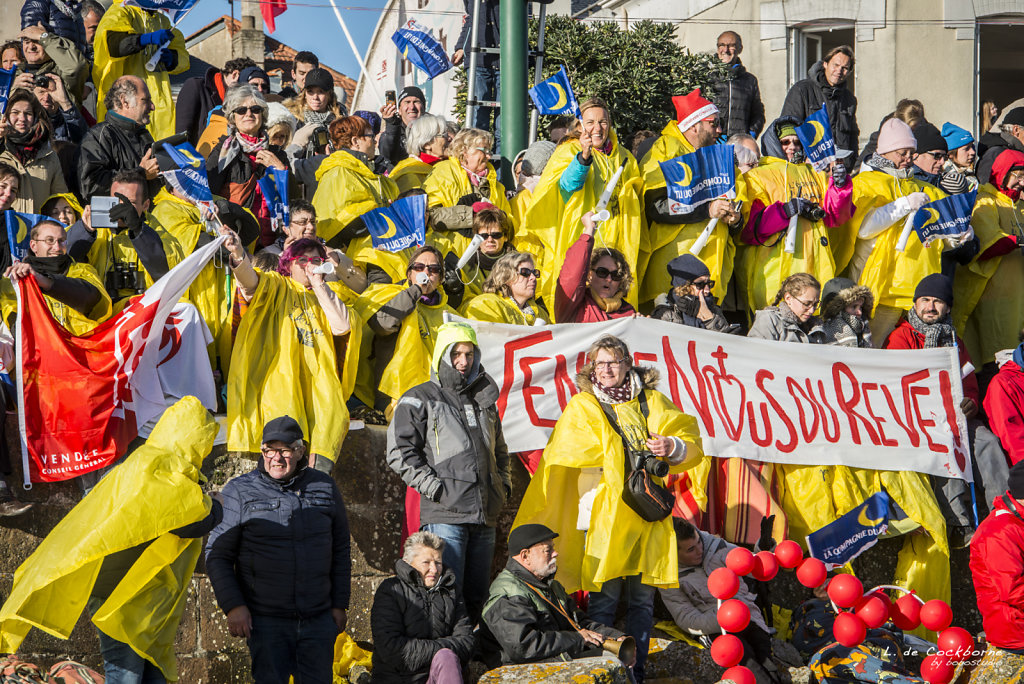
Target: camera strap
column 609, row 413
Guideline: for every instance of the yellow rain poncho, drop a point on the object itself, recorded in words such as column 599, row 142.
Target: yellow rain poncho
column 410, row 174
column 121, row 18
column 155, row 490
column 520, row 204
column 554, row 224
column 777, row 180
column 891, row 275
column 988, row 296
column 410, row 364
column 669, row 240
column 211, row 291
column 286, row 362
column 75, row 322
column 619, row 543
column 494, row 308
column 448, row 183
column 110, row 248
column 346, row 189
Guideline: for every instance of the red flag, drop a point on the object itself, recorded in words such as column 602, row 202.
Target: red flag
column 271, row 9
column 81, row 400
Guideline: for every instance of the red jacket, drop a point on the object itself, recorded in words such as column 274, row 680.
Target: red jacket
column 905, row 337
column 1004, row 406
column 573, row 303
column 997, row 566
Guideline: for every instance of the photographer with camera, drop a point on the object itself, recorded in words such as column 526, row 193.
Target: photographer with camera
column 615, row 443
column 48, row 53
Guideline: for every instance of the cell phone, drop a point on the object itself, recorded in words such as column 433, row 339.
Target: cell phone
column 390, row 97
column 101, row 206
column 320, row 138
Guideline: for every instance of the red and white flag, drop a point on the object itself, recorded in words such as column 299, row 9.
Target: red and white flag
column 271, row 9
column 81, row 400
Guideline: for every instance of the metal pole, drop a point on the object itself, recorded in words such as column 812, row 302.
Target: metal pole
column 474, row 43
column 538, row 74
column 513, row 83
column 360, row 58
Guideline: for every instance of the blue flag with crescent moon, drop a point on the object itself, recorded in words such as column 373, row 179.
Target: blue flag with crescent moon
column 699, row 177
column 851, row 534
column 554, row 95
column 418, row 45
column 399, row 226
column 946, row 217
column 19, row 230
column 815, row 136
column 189, row 178
column 274, row 186
column 173, row 7
column 6, row 79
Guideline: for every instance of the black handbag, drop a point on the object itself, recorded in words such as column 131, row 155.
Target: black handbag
column 640, row 492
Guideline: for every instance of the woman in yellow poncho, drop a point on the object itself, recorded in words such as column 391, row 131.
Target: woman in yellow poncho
column 426, row 141
column 620, row 553
column 495, row 229
column 509, row 293
column 573, row 181
column 295, row 352
column 63, row 207
column 114, row 58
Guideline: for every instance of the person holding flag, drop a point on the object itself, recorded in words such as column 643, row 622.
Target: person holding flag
column 792, row 208
column 673, row 233
column 588, row 171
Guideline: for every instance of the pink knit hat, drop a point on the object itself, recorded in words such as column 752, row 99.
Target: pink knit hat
column 895, row 135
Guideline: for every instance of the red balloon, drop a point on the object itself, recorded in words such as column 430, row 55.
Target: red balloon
column 733, row 615
column 723, row 583
column 765, row 566
column 727, row 650
column 740, row 675
column 811, row 573
column 936, row 615
column 740, row 561
column 789, row 554
column 936, row 670
column 873, row 610
column 848, row 629
column 956, row 643
column 845, row 590
column 906, row 612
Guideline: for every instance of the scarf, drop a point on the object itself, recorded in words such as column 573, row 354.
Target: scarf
column 476, row 180
column 935, row 334
column 844, row 326
column 317, row 118
column 50, row 266
column 240, row 143
column 429, row 158
column 432, row 299
column 880, row 163
column 629, row 388
column 608, row 305
column 25, row 146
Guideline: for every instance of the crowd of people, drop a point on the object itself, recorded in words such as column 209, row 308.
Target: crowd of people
column 311, row 323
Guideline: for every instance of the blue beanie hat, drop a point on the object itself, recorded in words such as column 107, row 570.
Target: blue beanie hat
column 955, row 136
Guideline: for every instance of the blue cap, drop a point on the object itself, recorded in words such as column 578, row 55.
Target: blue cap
column 955, row 136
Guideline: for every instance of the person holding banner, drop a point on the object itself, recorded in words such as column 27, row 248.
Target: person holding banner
column 1004, row 405
column 426, row 141
column 845, row 312
column 588, row 171
column 27, row 146
column 509, row 293
column 617, row 429
column 137, row 38
column 791, row 317
column 592, row 286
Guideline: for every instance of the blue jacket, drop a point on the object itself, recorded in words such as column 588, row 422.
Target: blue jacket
column 62, row 17
column 282, row 548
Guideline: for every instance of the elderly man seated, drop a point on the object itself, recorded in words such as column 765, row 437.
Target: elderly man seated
column 529, row 614
column 421, row 631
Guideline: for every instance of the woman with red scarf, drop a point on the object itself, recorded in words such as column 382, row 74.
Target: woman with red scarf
column 26, row 135
column 241, row 158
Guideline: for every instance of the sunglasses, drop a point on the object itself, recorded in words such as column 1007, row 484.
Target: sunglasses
column 701, row 284
column 303, row 260
column 527, row 272
column 251, row 109
column 434, row 269
column 492, row 236
column 603, row 273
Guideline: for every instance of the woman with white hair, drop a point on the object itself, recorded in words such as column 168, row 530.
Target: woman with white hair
column 242, row 157
column 421, row 631
column 426, row 141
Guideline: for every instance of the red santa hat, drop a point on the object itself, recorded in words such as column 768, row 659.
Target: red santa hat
column 692, row 108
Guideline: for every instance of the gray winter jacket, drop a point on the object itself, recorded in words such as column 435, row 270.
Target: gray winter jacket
column 769, row 325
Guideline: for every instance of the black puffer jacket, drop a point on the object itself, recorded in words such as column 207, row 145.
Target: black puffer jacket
column 197, row 98
column 282, row 548
column 62, row 17
column 411, row 623
column 806, row 97
column 116, row 144
column 738, row 96
column 996, row 145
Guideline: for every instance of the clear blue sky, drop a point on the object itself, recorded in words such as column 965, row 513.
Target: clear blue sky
column 308, row 25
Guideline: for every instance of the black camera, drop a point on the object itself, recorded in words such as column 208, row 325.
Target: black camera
column 41, row 81
column 815, row 213
column 652, row 464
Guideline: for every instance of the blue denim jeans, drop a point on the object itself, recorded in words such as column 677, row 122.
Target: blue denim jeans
column 469, row 552
column 122, row 665
column 639, row 613
column 283, row 647
column 488, row 87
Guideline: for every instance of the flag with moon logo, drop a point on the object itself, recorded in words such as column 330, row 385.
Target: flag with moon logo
column 418, row 45
column 554, row 95
column 816, row 138
column 19, row 230
column 699, row 177
column 946, row 217
column 274, row 186
column 851, row 534
column 399, row 226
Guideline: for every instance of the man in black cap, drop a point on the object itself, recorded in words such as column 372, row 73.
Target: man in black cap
column 931, row 153
column 529, row 614
column 257, row 78
column 1011, row 137
column 690, row 301
column 280, row 563
column 411, row 105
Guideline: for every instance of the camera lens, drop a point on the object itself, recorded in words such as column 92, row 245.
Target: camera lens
column 655, row 467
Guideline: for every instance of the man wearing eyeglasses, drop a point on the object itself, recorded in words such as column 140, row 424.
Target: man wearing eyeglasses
column 280, row 562
column 73, row 292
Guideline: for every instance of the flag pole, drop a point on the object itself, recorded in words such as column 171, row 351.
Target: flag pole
column 355, row 51
column 22, row 430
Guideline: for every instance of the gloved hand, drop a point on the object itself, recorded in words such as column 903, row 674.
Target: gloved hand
column 303, row 135
column 156, row 37
column 452, row 283
column 917, row 200
column 766, row 542
column 469, row 199
column 839, row 175
column 125, row 216
column 168, row 59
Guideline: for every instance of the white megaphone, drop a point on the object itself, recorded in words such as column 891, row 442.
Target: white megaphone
column 474, row 245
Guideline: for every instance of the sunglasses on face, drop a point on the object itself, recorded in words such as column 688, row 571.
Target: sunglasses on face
column 527, row 272
column 251, row 109
column 433, row 269
column 492, row 236
column 303, row 260
column 603, row 273
column 701, row 284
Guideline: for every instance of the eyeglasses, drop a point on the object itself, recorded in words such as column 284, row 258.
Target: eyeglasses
column 603, row 273
column 51, row 241
column 527, row 272
column 937, row 156
column 701, row 284
column 608, row 365
column 807, row 305
column 270, row 452
column 251, row 109
column 434, row 269
column 492, row 236
column 303, row 260
column 482, row 149
column 302, row 222
column 728, row 45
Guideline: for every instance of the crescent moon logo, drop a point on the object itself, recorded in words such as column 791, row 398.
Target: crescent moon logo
column 819, row 132
column 562, row 98
column 390, row 232
column 22, row 231
column 864, row 520
column 687, row 175
column 933, row 216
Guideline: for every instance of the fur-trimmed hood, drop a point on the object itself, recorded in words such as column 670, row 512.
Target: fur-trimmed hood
column 841, row 299
column 649, row 378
